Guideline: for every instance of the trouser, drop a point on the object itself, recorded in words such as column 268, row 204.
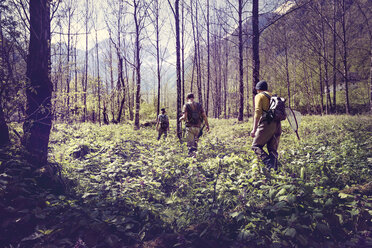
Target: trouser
column 267, row 134
column 192, row 134
column 161, row 132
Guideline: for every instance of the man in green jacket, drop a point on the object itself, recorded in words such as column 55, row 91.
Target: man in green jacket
column 194, row 115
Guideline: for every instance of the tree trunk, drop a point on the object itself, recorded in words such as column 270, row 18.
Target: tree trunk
column 287, row 74
column 157, row 30
column 241, row 79
column 4, row 131
column 208, row 62
column 38, row 121
column 334, row 54
column 178, row 63
column 325, row 62
column 226, row 76
column 321, row 86
column 255, row 48
column 85, row 82
column 138, row 66
column 183, row 52
column 345, row 58
column 68, row 65
column 98, row 82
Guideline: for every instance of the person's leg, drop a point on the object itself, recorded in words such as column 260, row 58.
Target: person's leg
column 272, row 147
column 165, row 134
column 264, row 133
column 191, row 138
column 161, row 131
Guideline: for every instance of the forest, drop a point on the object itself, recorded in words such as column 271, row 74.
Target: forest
column 82, row 84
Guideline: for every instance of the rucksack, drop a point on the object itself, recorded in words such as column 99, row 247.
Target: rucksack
column 164, row 121
column 276, row 110
column 194, row 115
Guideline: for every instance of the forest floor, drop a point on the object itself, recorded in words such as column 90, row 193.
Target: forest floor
column 117, row 187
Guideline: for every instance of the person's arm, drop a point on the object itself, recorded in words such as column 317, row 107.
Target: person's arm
column 257, row 114
column 206, row 121
column 184, row 115
column 254, row 126
column 157, row 123
column 168, row 123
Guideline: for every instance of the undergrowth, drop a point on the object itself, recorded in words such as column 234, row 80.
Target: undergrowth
column 123, row 188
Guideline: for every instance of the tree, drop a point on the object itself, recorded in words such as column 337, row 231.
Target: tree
column 139, row 15
column 39, row 117
column 176, row 14
column 255, row 47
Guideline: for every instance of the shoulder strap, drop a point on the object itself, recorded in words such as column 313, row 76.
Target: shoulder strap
column 267, row 95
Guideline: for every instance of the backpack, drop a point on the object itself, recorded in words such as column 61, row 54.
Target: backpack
column 276, row 110
column 194, row 115
column 164, row 121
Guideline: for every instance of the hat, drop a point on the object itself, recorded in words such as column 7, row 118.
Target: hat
column 189, row 96
column 163, row 109
column 262, row 85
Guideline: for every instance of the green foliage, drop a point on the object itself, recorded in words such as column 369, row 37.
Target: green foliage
column 126, row 187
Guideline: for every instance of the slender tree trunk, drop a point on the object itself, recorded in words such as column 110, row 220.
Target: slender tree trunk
column 4, row 130
column 334, row 54
column 208, row 62
column 157, row 30
column 85, row 84
column 38, row 122
column 68, row 65
column 226, row 76
column 241, row 79
column 193, row 71
column 76, row 77
column 325, row 62
column 183, row 51
column 178, row 65
column 287, row 74
column 321, row 86
column 98, row 83
column 198, row 65
column 255, row 48
column 138, row 66
column 345, row 57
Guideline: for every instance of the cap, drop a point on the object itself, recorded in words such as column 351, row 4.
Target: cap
column 262, row 85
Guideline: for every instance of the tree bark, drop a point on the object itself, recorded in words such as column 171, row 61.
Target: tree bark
column 255, row 48
column 4, row 130
column 39, row 117
column 241, row 79
column 138, row 65
column 208, row 63
column 334, row 70
column 345, row 58
column 178, row 65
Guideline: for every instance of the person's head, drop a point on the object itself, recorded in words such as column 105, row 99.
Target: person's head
column 261, row 86
column 190, row 97
column 163, row 110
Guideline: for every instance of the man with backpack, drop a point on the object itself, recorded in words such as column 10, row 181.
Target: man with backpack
column 194, row 115
column 162, row 124
column 266, row 130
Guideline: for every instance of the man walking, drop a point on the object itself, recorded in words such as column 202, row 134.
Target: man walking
column 194, row 115
column 264, row 131
column 162, row 124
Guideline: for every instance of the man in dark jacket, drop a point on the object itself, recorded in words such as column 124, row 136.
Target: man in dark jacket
column 162, row 124
column 194, row 115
